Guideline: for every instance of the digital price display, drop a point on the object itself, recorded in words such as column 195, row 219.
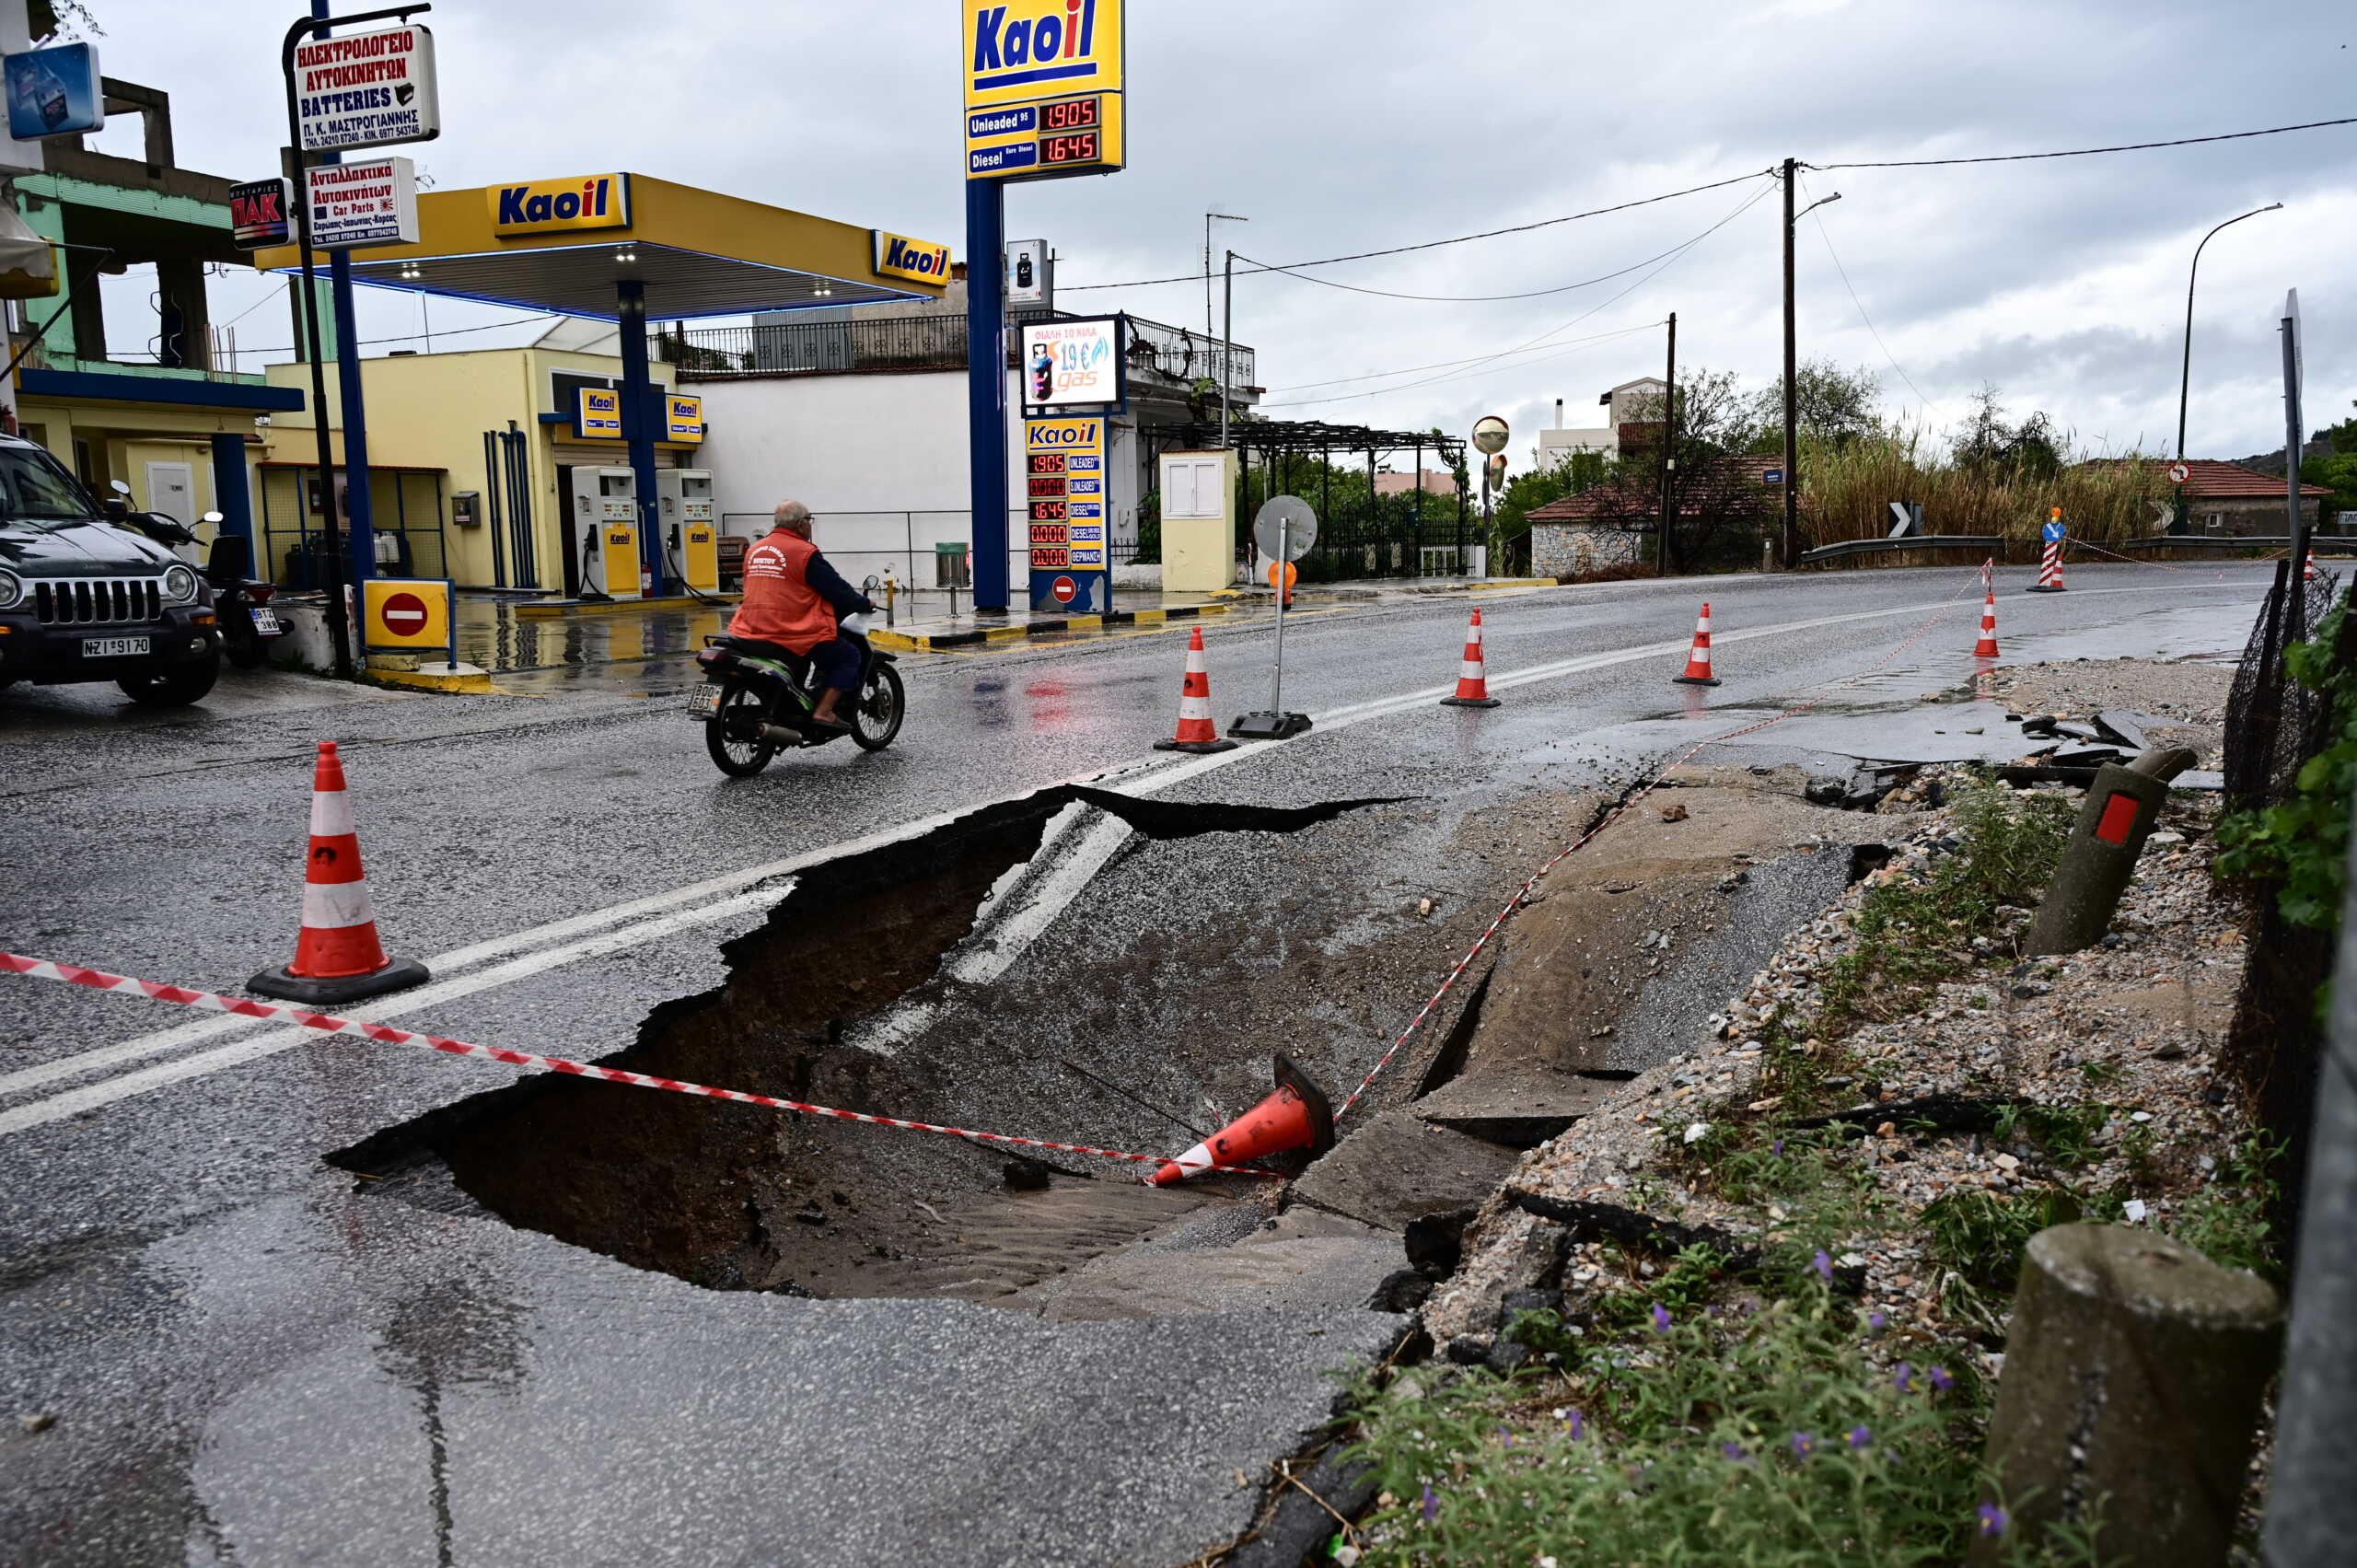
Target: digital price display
column 1062, row 456
column 1072, row 114
column 1044, row 559
column 1052, row 485
column 1080, row 147
column 1048, row 511
column 1047, row 462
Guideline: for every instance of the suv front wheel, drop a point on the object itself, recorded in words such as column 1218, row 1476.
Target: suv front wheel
column 176, row 687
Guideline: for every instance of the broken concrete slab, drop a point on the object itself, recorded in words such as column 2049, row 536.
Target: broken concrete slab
column 1519, row 1107
column 1281, row 1272
column 1397, row 1166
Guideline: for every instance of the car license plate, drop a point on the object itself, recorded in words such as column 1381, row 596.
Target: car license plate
column 703, row 702
column 113, row 647
column 265, row 623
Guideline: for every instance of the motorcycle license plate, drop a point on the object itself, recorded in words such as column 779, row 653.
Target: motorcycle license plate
column 114, row 647
column 265, row 623
column 703, row 702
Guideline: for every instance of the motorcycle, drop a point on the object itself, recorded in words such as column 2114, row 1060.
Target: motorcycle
column 240, row 603
column 757, row 703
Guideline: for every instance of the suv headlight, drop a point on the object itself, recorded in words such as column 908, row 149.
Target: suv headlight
column 180, row 586
column 12, row 591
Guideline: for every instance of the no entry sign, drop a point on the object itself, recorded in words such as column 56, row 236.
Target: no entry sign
column 409, row 613
column 404, row 614
column 1065, row 589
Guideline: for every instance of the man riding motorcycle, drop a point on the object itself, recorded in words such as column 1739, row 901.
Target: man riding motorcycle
column 793, row 600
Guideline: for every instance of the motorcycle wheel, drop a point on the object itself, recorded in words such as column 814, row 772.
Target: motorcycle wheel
column 739, row 758
column 876, row 716
column 239, row 645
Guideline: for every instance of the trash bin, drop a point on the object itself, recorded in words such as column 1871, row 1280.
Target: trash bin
column 953, row 565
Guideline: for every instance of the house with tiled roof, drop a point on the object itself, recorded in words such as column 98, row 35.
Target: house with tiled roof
column 2229, row 499
column 1605, row 526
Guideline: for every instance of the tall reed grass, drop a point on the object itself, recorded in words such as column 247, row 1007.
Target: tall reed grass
column 1846, row 491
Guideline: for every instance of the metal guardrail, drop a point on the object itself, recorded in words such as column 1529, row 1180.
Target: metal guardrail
column 2325, row 543
column 1987, row 542
column 916, row 343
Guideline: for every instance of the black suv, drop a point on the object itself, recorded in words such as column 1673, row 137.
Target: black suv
column 84, row 598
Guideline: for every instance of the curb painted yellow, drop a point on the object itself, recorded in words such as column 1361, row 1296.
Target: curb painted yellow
column 477, row 685
column 619, row 607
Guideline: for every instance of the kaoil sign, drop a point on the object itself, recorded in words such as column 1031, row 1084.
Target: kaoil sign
column 599, row 416
column 1043, row 89
column 556, row 207
column 897, row 256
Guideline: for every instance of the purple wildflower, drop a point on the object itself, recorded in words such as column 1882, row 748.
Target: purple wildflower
column 1777, row 1148
column 1993, row 1519
column 1902, row 1377
column 1431, row 1506
column 1804, row 1445
column 1577, row 1424
column 1877, row 1322
column 1736, row 1453
column 1940, row 1380
column 1823, row 1264
column 1661, row 1319
column 1860, row 1437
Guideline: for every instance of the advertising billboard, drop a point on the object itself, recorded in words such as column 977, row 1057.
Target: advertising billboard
column 1044, row 83
column 558, row 207
column 258, row 215
column 363, row 203
column 367, row 89
column 55, row 92
column 1074, row 365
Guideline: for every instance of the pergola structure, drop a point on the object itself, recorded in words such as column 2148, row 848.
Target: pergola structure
column 1367, row 544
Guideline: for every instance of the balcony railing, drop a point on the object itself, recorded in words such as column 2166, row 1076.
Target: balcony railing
column 916, row 343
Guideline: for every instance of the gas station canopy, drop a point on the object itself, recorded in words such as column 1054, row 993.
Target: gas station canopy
column 565, row 245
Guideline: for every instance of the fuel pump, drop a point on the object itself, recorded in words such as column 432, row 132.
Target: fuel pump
column 690, row 528
column 601, row 504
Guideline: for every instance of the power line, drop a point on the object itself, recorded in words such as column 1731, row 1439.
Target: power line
column 445, row 332
column 1451, row 364
column 2084, row 152
column 1466, row 298
column 1428, row 244
column 1828, row 237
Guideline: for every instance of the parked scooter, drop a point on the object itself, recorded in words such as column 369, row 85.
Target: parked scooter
column 248, row 625
column 755, row 702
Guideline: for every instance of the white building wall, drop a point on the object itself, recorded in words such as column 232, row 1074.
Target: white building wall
column 879, row 459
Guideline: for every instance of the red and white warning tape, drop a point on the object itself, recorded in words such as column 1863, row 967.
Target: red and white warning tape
column 328, row 1023
column 1622, row 809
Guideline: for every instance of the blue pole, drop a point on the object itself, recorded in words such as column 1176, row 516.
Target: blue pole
column 638, row 422
column 359, row 516
column 986, row 389
column 232, row 496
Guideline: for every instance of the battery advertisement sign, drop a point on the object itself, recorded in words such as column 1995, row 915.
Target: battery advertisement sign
column 363, row 202
column 367, row 89
column 1043, row 89
column 1063, row 462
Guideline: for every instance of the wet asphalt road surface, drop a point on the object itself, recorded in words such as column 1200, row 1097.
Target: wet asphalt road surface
column 248, row 1361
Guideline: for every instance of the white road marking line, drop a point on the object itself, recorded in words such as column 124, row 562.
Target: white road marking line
column 37, row 1112
column 1034, row 917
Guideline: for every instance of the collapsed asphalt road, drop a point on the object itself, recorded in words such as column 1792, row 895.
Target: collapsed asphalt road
column 249, row 1352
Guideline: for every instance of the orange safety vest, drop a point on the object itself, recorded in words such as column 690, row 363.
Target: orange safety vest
column 779, row 604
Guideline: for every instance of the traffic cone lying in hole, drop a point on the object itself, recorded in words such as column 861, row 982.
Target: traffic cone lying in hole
column 337, row 957
column 1472, row 680
column 1698, row 662
column 1987, row 646
column 1295, row 1117
column 1196, row 730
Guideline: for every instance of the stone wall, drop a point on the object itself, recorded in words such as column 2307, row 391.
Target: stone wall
column 1572, row 549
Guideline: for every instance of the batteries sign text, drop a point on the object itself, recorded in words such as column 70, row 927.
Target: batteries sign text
column 363, row 203
column 921, row 260
column 367, row 89
column 558, row 207
column 55, row 92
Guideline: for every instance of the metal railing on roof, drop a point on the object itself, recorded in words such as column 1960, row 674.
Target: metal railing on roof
column 916, row 343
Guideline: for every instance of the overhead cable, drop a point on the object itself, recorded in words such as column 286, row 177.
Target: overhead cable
column 2084, row 152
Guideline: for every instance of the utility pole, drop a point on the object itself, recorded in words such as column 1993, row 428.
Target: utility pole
column 1226, row 340
column 1209, row 218
column 1789, row 549
column 1668, row 459
column 2295, row 435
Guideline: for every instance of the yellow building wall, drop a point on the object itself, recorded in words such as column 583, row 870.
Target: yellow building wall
column 123, row 439
column 431, row 410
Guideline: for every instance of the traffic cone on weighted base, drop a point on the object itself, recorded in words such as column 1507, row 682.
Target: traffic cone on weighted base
column 1196, row 730
column 337, row 956
column 1472, row 678
column 1698, row 662
column 1987, row 646
column 2308, row 575
column 1295, row 1117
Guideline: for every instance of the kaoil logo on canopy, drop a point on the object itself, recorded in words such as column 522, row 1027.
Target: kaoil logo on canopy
column 555, row 207
column 1021, row 49
column 897, row 256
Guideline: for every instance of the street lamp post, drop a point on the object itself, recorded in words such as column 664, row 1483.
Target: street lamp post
column 2185, row 375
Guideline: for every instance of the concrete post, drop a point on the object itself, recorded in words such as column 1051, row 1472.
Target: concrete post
column 2311, row 1504
column 2133, row 1375
column 2121, row 807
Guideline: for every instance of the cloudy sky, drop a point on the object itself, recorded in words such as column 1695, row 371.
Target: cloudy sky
column 1338, row 126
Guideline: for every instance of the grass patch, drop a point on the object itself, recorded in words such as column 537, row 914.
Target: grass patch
column 1979, row 1235
column 2229, row 1220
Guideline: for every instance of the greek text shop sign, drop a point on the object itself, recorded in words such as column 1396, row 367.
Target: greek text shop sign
column 1043, row 89
column 557, row 207
column 1064, row 463
column 259, row 216
column 367, row 89
column 1073, row 364
column 897, row 256
column 363, row 202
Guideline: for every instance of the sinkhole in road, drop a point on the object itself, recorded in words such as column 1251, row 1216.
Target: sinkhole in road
column 872, row 986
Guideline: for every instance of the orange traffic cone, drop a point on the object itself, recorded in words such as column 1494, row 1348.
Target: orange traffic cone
column 1295, row 1117
column 1698, row 661
column 337, row 957
column 1196, row 730
column 1987, row 646
column 2309, row 573
column 1472, row 681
